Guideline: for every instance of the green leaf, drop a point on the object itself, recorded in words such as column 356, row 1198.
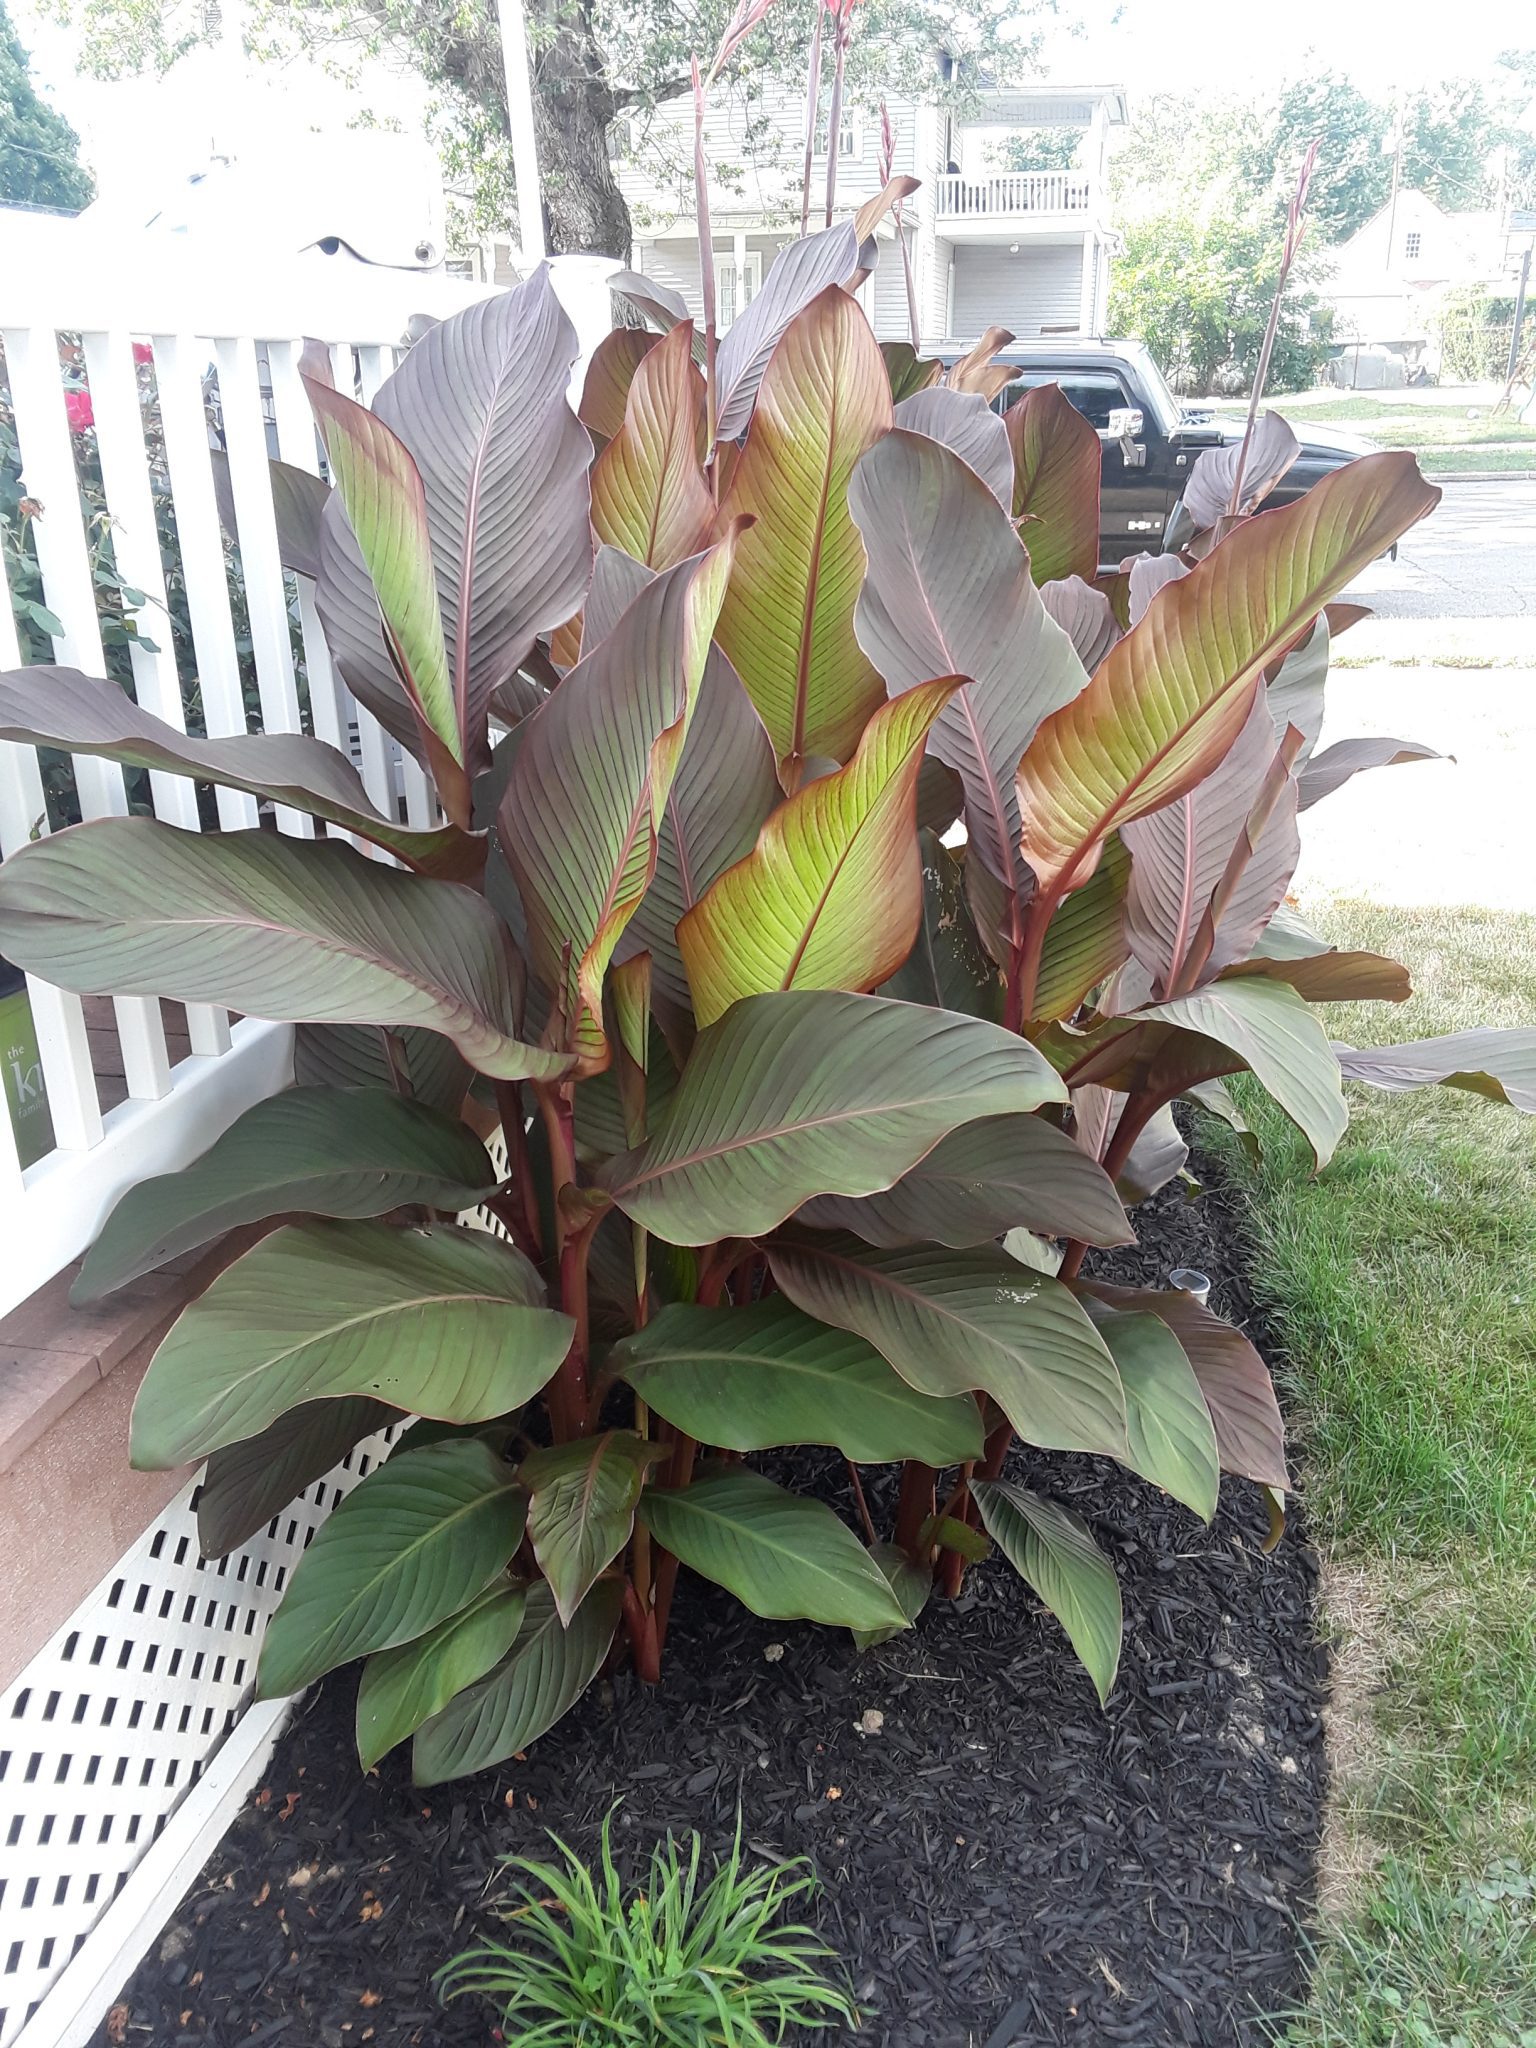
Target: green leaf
column 800, row 272
column 405, row 1686
column 763, row 1376
column 1495, row 1063
column 1272, row 1032
column 1170, row 698
column 815, row 1092
column 988, row 1177
column 965, row 422
column 543, row 1675
column 649, row 496
column 441, row 1321
column 381, row 489
column 330, row 1151
column 610, row 372
column 582, row 1507
column 947, row 968
column 273, row 927
column 357, row 1056
column 955, row 1322
column 480, row 400
column 1051, row 1548
column 1179, row 857
column 1057, row 463
column 787, row 620
column 1331, row 976
column 1250, row 1435
column 831, row 895
column 1085, row 940
column 785, row 1557
column 1167, row 1421
column 247, row 1483
column 949, row 594
column 589, row 783
column 60, row 707
column 410, row 1546
column 911, row 1583
column 908, row 372
column 1334, row 766
column 726, row 785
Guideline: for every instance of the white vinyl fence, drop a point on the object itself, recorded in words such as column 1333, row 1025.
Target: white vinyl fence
column 164, row 377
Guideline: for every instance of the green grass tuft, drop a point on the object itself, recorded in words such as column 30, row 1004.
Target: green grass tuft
column 675, row 1963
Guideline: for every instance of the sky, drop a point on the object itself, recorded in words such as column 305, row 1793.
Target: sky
column 1382, row 45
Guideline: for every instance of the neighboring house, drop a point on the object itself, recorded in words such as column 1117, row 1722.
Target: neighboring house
column 1028, row 250
column 1393, row 274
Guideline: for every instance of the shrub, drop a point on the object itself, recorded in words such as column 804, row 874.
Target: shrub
column 800, row 1109
column 671, row 1965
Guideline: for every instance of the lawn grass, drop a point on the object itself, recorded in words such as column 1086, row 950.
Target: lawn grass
column 1402, row 1283
column 1446, row 438
column 1475, row 461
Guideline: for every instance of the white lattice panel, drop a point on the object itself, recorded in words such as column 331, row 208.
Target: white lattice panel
column 113, row 1723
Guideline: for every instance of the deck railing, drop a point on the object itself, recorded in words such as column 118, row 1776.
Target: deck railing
column 133, row 391
column 1013, row 193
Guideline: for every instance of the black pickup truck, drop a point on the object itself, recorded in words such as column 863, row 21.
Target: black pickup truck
column 1149, row 438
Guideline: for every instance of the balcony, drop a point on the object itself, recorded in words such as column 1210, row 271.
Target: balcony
column 1013, row 200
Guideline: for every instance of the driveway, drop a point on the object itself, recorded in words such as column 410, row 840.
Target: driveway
column 1449, row 659
column 1473, row 558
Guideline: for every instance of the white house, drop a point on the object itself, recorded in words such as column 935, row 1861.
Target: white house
column 1028, row 250
column 1393, row 274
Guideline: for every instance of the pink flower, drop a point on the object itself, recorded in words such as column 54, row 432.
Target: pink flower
column 142, row 352
column 77, row 410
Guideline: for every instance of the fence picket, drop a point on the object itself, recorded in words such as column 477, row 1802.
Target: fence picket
column 58, row 1016
column 179, row 363
column 48, row 469
column 266, row 596
column 297, row 445
column 136, row 548
column 51, row 1211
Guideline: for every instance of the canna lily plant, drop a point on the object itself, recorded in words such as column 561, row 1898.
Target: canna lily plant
column 835, row 882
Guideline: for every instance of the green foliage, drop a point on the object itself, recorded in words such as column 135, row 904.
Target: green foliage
column 1195, row 283
column 827, row 1075
column 678, row 1961
column 1040, row 149
column 39, row 151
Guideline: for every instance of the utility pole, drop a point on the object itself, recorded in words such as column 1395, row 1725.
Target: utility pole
column 1514, row 339
column 525, row 148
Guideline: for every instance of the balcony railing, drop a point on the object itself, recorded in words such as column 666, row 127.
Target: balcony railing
column 1013, row 194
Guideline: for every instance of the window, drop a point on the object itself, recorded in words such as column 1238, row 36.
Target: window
column 1412, row 244
column 1095, row 393
column 734, row 291
column 850, row 142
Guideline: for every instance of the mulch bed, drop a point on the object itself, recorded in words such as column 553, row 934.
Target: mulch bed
column 1005, row 1866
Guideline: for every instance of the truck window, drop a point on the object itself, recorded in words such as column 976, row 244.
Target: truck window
column 1095, row 393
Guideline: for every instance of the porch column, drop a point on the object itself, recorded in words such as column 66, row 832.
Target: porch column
column 1087, row 294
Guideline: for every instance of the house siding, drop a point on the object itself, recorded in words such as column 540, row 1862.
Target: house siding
column 756, row 153
column 1031, row 293
column 886, row 294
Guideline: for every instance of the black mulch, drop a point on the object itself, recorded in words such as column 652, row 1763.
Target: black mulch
column 1004, row 1865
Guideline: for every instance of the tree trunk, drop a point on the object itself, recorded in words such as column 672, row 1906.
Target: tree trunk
column 573, row 108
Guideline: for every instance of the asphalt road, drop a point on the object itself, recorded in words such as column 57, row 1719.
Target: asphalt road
column 1473, row 558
